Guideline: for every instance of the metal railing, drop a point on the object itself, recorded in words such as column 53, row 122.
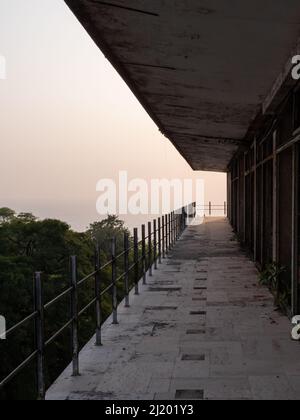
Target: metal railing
column 211, row 209
column 162, row 235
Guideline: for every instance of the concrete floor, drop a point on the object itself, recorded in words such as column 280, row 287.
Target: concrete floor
column 201, row 329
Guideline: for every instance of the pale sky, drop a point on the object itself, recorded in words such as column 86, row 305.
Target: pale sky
column 67, row 119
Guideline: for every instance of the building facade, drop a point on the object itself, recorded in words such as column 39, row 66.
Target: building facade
column 263, row 196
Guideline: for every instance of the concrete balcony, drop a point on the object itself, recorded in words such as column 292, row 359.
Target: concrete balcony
column 202, row 328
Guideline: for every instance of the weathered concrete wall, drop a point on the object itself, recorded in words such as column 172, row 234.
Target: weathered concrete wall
column 268, row 178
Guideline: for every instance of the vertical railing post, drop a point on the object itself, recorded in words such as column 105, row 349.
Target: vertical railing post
column 181, row 221
column 150, row 248
column 126, row 269
column 210, row 208
column 40, row 334
column 144, row 264
column 98, row 298
column 136, row 261
column 114, row 281
column 174, row 227
column 170, row 231
column 74, row 316
column 225, row 209
column 159, row 240
column 155, row 243
column 163, row 237
column 166, row 235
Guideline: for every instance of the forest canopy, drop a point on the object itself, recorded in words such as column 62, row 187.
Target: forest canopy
column 27, row 245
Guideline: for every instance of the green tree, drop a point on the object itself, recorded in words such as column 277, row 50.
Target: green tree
column 28, row 245
column 6, row 214
column 103, row 232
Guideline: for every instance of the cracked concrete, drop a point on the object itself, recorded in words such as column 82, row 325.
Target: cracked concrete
column 236, row 346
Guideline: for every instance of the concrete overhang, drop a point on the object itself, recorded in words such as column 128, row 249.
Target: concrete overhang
column 205, row 70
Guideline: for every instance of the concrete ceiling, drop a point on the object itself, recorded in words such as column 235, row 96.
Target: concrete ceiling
column 201, row 68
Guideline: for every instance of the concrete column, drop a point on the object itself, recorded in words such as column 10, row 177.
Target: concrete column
column 275, row 205
column 229, row 201
column 244, row 198
column 294, row 261
column 262, row 210
column 255, row 202
column 238, row 219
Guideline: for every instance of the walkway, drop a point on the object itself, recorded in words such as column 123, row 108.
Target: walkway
column 201, row 329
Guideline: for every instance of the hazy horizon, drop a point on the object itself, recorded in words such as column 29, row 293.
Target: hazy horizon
column 68, row 119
